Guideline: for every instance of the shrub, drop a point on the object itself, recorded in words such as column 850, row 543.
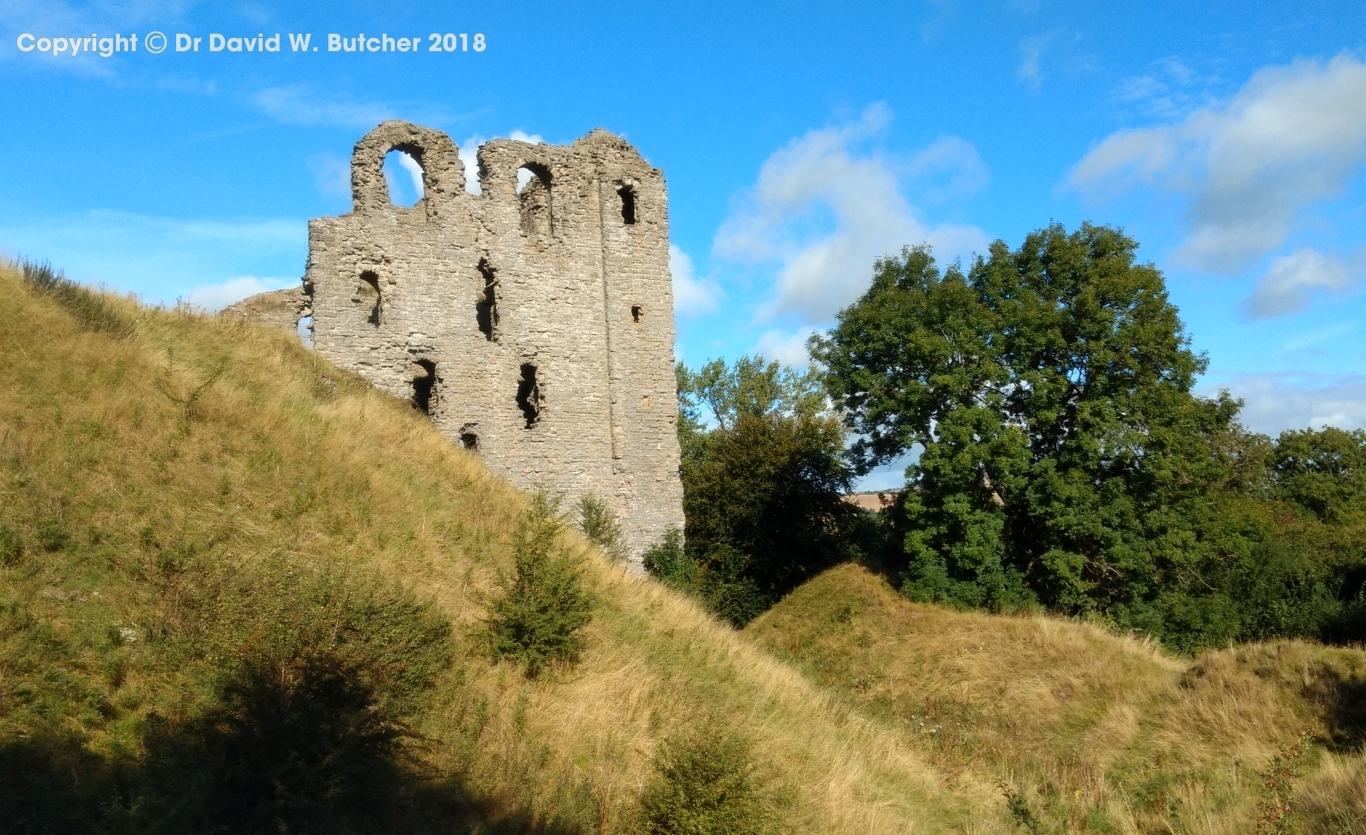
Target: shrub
column 537, row 617
column 721, row 582
column 667, row 560
column 703, row 785
column 600, row 525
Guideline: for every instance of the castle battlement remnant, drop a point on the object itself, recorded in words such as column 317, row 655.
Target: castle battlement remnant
column 532, row 322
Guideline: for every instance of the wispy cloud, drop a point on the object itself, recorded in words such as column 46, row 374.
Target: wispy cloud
column 159, row 258
column 1170, row 90
column 827, row 205
column 1249, row 167
column 54, row 18
column 300, row 105
column 215, row 297
column 1291, row 281
column 1030, row 68
column 331, row 173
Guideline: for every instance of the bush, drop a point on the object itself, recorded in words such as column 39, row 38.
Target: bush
column 703, row 785
column 600, row 525
column 722, row 584
column 537, row 618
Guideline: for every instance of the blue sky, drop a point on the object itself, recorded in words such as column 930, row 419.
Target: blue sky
column 800, row 141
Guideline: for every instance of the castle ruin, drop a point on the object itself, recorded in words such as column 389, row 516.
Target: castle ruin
column 532, row 322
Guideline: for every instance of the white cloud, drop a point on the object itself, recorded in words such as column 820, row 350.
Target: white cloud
column 1277, row 401
column 692, row 296
column 824, row 208
column 1289, row 282
column 786, row 348
column 215, row 297
column 299, row 106
column 1293, row 136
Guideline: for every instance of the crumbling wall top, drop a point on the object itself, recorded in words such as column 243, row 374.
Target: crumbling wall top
column 443, row 172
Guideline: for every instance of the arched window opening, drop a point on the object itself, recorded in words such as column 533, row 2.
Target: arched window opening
column 370, row 298
column 403, row 175
column 533, row 195
column 470, row 441
column 628, row 205
column 486, row 310
column 529, row 395
column 424, row 386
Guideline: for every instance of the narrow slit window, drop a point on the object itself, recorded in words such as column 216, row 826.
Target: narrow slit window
column 628, row 205
column 636, row 314
column 370, row 298
column 533, row 196
column 424, row 386
column 529, row 395
column 486, row 310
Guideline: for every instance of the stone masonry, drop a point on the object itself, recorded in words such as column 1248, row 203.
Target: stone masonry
column 534, row 324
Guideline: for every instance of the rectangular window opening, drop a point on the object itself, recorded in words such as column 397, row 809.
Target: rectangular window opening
column 486, row 310
column 424, row 386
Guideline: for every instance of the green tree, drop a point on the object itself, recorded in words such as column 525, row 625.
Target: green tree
column 1064, row 458
column 541, row 609
column 704, row 785
column 763, row 480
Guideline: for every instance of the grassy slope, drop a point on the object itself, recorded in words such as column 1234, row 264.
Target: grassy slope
column 110, row 483
column 1097, row 732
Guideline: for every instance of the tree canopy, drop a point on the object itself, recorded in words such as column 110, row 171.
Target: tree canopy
column 1064, row 457
column 763, row 480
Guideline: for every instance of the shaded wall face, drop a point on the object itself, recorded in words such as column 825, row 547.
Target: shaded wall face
column 534, row 324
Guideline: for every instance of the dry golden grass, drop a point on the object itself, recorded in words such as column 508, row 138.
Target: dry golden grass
column 282, row 456
column 1098, row 732
column 894, row 718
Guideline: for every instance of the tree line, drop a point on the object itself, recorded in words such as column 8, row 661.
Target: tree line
column 1062, row 459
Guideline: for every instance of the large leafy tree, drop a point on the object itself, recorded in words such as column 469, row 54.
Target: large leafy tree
column 1064, row 459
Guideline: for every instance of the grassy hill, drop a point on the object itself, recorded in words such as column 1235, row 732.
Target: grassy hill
column 182, row 496
column 204, row 526
column 1088, row 731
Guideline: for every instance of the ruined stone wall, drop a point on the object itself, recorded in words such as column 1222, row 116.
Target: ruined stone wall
column 535, row 326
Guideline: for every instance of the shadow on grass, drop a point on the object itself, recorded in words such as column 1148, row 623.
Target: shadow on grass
column 310, row 755
column 1343, row 698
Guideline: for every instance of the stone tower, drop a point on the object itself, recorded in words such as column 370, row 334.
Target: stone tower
column 533, row 322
